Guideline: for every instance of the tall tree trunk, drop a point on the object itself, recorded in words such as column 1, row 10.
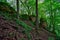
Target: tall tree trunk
column 37, row 13
column 37, row 23
column 17, row 3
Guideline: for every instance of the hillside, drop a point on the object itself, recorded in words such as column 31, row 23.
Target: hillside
column 13, row 29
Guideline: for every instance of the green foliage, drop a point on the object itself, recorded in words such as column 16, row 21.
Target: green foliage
column 3, row 0
column 50, row 38
column 5, row 7
column 48, row 9
column 26, row 27
column 24, row 17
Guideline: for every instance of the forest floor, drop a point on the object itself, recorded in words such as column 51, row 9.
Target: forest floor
column 8, row 31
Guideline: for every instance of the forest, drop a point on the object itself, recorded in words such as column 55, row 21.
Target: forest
column 29, row 19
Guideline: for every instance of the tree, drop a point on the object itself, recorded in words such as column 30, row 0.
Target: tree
column 37, row 13
column 37, row 23
column 17, row 3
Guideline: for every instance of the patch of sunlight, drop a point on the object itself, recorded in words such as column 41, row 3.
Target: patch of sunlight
column 9, row 0
column 47, row 15
column 40, row 1
column 58, row 24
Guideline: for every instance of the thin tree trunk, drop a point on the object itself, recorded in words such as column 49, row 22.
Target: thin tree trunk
column 37, row 23
column 17, row 3
column 37, row 13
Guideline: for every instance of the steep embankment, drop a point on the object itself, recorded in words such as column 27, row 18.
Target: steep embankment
column 13, row 29
column 10, row 27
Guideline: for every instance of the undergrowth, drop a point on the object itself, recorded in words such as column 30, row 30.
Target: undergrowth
column 9, row 17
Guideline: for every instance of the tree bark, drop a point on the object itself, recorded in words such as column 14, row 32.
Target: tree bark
column 37, row 13
column 17, row 3
column 37, row 23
